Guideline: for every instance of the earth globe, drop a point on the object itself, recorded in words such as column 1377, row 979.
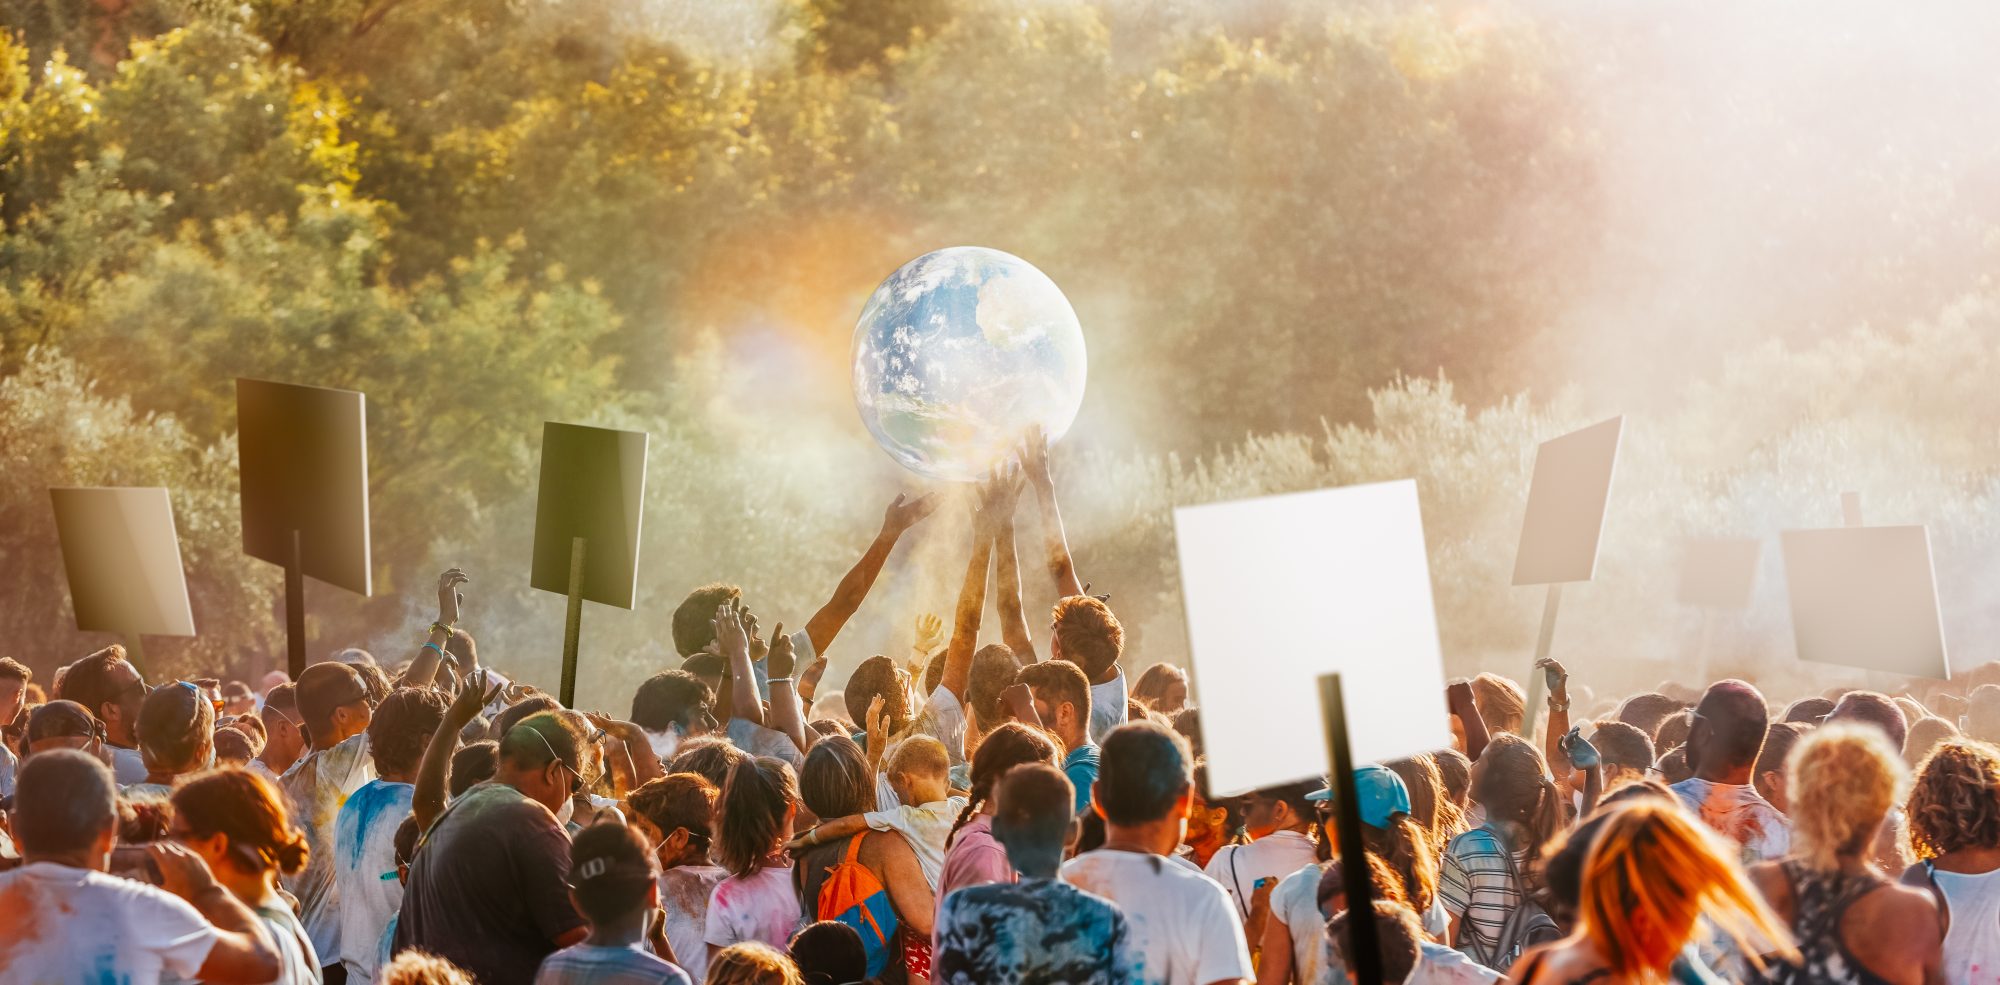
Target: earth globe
column 958, row 353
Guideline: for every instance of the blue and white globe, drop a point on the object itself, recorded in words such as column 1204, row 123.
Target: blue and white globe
column 958, row 352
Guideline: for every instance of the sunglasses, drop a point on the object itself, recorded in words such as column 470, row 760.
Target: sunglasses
column 557, row 759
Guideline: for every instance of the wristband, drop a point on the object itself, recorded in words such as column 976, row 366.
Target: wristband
column 779, row 680
column 428, row 645
column 438, row 627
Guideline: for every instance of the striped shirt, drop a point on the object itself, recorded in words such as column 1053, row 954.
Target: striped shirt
column 1476, row 886
column 586, row 964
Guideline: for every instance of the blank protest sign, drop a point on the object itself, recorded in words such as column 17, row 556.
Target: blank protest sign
column 1282, row 589
column 123, row 560
column 303, row 455
column 1719, row 572
column 1866, row 597
column 1566, row 503
column 593, row 486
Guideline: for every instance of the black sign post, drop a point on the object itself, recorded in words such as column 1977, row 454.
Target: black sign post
column 1364, row 949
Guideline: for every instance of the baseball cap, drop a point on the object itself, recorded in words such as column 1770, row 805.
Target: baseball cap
column 61, row 720
column 1382, row 794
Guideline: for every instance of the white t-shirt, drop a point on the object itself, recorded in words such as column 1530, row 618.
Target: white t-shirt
column 315, row 788
column 364, row 871
column 127, row 766
column 1440, row 965
column 684, row 893
column 943, row 719
column 1738, row 812
column 1971, row 948
column 8, row 764
column 298, row 963
column 758, row 907
column 1295, row 905
column 1274, row 856
column 74, row 925
column 925, row 827
column 1107, row 707
column 1184, row 930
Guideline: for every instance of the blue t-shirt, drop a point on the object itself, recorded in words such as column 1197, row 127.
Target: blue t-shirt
column 585, row 964
column 1035, row 930
column 1081, row 768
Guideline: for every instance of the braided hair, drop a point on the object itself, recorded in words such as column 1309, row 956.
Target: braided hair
column 1001, row 750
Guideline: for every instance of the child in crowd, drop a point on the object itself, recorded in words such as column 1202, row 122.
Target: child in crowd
column 919, row 770
column 674, row 813
column 752, row 963
column 753, row 821
column 830, row 953
column 611, row 877
column 1039, row 929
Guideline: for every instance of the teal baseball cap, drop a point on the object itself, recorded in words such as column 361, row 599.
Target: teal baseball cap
column 1382, row 794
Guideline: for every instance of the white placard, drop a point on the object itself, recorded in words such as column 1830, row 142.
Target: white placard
column 1566, row 504
column 1282, row 589
column 1866, row 597
column 1719, row 572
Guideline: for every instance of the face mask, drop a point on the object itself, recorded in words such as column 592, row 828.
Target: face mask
column 664, row 743
column 568, row 811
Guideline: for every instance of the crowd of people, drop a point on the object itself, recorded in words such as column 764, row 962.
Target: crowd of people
column 1005, row 812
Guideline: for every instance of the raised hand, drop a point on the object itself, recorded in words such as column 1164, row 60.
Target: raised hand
column 930, row 633
column 1033, row 454
column 1558, row 679
column 998, row 494
column 905, row 513
column 472, row 696
column 449, row 597
column 730, row 636
column 182, row 872
column 782, row 659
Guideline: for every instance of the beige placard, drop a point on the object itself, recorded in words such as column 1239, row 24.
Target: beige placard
column 1282, row 589
column 1719, row 572
column 123, row 560
column 1566, row 506
column 303, row 455
column 1866, row 597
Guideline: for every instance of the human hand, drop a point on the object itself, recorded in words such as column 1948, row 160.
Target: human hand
column 1582, row 755
column 905, row 512
column 730, row 637
column 878, row 730
column 1458, row 696
column 182, row 872
column 623, row 731
column 449, row 597
column 782, row 659
column 1556, row 678
column 930, row 632
column 998, row 494
column 1033, row 454
column 1021, row 701
column 758, row 648
column 472, row 696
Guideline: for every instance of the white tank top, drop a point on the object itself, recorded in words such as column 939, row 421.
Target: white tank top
column 1972, row 944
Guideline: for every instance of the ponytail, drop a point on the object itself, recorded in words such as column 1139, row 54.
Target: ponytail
column 1408, row 853
column 1001, row 750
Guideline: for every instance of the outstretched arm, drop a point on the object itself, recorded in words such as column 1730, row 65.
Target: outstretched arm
column 998, row 490
column 1007, row 590
column 733, row 640
column 1558, row 725
column 424, row 666
column 827, row 830
column 1458, row 698
column 827, row 622
column 1034, row 455
column 786, row 715
column 434, row 774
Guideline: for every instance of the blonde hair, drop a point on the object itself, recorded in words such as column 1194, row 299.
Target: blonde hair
column 1841, row 780
column 919, row 755
column 418, row 968
column 1652, row 872
column 752, row 963
column 1501, row 702
column 1955, row 802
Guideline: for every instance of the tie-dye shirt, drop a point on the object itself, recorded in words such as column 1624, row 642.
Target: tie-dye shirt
column 1741, row 814
column 1033, row 931
column 315, row 787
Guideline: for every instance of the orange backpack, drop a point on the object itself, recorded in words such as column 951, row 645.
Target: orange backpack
column 852, row 895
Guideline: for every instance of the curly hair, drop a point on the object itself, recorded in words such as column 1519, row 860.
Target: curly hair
column 1955, row 803
column 401, row 728
column 694, row 618
column 1841, row 781
column 1088, row 635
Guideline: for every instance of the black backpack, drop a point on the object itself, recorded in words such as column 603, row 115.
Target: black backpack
column 1529, row 925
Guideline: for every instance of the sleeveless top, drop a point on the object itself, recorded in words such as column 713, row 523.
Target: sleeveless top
column 1972, row 940
column 1535, row 966
column 1821, row 899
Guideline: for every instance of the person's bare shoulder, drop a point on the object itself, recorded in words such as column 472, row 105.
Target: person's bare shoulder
column 1900, row 913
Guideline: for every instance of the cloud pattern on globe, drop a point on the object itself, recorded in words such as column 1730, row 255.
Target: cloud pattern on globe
column 958, row 352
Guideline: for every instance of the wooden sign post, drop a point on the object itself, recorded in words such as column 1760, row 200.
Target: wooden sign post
column 1365, row 948
column 1559, row 533
column 302, row 453
column 587, row 517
